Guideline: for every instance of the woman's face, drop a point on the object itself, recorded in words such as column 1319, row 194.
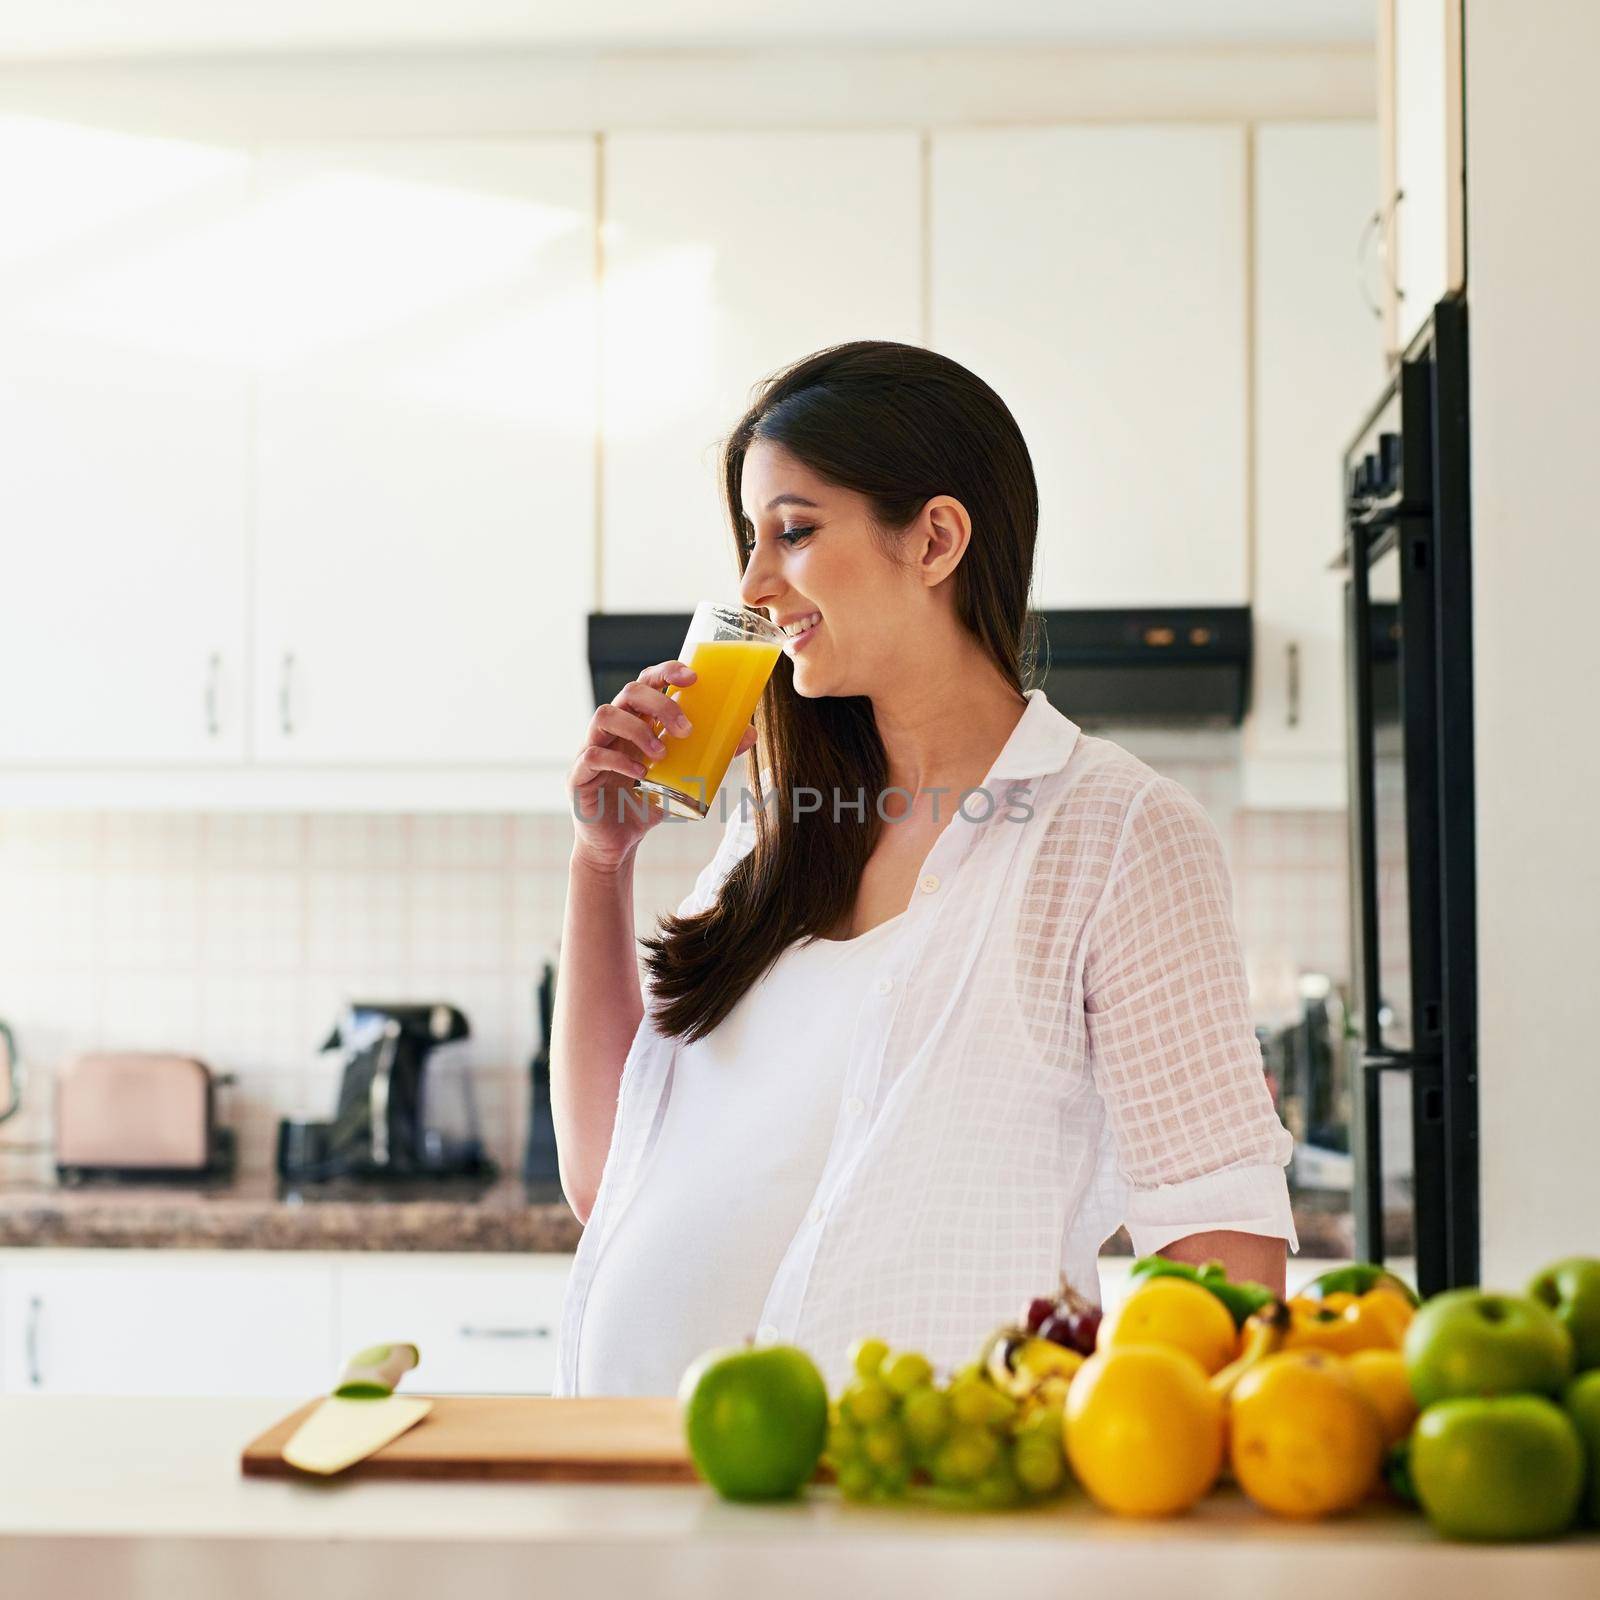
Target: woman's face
column 815, row 555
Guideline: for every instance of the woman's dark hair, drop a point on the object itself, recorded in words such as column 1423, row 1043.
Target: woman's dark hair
column 899, row 425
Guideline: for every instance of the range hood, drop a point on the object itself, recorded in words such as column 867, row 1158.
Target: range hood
column 1150, row 666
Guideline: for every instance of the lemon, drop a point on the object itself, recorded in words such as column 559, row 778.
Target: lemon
column 1305, row 1440
column 1175, row 1312
column 1144, row 1432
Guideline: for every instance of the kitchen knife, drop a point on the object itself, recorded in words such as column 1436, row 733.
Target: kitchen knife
column 361, row 1415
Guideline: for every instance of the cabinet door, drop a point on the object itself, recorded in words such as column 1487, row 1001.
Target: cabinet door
column 425, row 440
column 1317, row 370
column 123, row 449
column 1429, row 214
column 728, row 256
column 193, row 1328
column 483, row 1328
column 1095, row 278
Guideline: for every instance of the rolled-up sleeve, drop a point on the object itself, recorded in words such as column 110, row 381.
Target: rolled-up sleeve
column 1172, row 1046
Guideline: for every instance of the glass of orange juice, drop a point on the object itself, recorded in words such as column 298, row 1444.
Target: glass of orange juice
column 732, row 650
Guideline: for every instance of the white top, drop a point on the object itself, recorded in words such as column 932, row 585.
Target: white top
column 750, row 1113
column 1057, row 1040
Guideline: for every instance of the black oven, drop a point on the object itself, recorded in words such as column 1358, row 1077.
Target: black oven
column 1407, row 557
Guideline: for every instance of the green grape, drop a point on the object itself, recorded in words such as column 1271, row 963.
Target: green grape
column 844, row 1442
column 1039, row 1466
column 925, row 1413
column 867, row 1355
column 884, row 1444
column 969, row 1400
column 893, row 1480
column 1039, row 1422
column 865, row 1401
column 965, row 1457
column 998, row 1487
column 906, row 1371
column 855, row 1480
column 1002, row 1408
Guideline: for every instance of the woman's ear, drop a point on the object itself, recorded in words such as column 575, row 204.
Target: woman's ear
column 947, row 531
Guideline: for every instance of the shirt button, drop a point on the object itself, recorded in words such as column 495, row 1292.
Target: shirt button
column 855, row 1106
column 883, row 985
column 816, row 1213
column 929, row 884
column 766, row 1332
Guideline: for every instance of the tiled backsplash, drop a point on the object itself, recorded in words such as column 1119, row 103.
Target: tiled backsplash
column 236, row 937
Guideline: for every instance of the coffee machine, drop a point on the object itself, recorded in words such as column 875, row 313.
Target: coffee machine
column 405, row 1109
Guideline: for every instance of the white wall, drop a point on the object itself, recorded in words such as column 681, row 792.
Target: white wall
column 1533, row 264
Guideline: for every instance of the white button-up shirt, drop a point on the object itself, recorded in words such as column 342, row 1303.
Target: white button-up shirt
column 1059, row 1042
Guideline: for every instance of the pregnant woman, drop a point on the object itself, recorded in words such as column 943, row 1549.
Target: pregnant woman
column 960, row 991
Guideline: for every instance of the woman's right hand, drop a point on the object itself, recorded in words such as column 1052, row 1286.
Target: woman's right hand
column 609, row 818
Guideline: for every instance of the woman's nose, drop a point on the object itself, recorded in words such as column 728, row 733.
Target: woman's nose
column 759, row 584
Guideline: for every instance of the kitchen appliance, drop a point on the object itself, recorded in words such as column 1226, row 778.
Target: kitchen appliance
column 1408, row 595
column 140, row 1116
column 404, row 1110
column 541, row 1165
column 1307, row 1059
column 1152, row 666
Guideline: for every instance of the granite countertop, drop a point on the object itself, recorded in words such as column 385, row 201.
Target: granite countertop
column 253, row 1213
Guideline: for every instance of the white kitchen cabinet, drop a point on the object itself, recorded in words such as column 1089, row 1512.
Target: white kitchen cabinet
column 1423, row 159
column 126, row 1323
column 727, row 256
column 1095, row 278
column 1317, row 371
column 123, row 449
column 425, row 425
column 484, row 1326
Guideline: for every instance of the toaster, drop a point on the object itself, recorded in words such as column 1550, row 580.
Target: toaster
column 139, row 1116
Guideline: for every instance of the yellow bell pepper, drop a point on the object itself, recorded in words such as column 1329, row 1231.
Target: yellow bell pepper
column 1344, row 1323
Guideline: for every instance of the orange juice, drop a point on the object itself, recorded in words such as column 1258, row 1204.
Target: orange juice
column 729, row 677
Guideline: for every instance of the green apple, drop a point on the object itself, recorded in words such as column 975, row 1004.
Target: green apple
column 1472, row 1342
column 1571, row 1289
column 1582, row 1402
column 755, row 1420
column 1506, row 1468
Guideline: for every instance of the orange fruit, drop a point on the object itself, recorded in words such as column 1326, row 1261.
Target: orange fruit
column 1143, row 1430
column 1175, row 1312
column 1381, row 1376
column 1304, row 1439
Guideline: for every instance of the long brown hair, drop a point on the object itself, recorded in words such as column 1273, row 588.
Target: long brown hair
column 897, row 424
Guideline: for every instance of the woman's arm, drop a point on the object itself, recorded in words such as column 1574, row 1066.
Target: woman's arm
column 599, row 1006
column 1249, row 1257
column 1173, row 1050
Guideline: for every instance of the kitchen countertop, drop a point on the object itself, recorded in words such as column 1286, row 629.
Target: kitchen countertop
column 252, row 1214
column 143, row 1498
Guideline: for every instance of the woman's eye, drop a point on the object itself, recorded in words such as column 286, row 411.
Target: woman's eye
column 790, row 536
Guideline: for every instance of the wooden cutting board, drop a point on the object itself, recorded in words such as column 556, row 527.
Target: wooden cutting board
column 600, row 1440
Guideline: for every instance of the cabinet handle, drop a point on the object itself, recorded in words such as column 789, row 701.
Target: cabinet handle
column 213, row 674
column 285, row 680
column 1292, row 653
column 469, row 1332
column 31, row 1343
column 1371, row 231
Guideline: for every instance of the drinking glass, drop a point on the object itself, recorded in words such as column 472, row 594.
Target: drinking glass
column 732, row 650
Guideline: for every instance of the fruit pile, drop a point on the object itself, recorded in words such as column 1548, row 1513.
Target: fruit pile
column 1482, row 1408
column 990, row 1438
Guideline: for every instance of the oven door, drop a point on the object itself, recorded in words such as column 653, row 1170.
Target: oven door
column 1398, row 1133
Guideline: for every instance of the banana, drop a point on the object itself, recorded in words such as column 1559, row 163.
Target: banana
column 1262, row 1335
